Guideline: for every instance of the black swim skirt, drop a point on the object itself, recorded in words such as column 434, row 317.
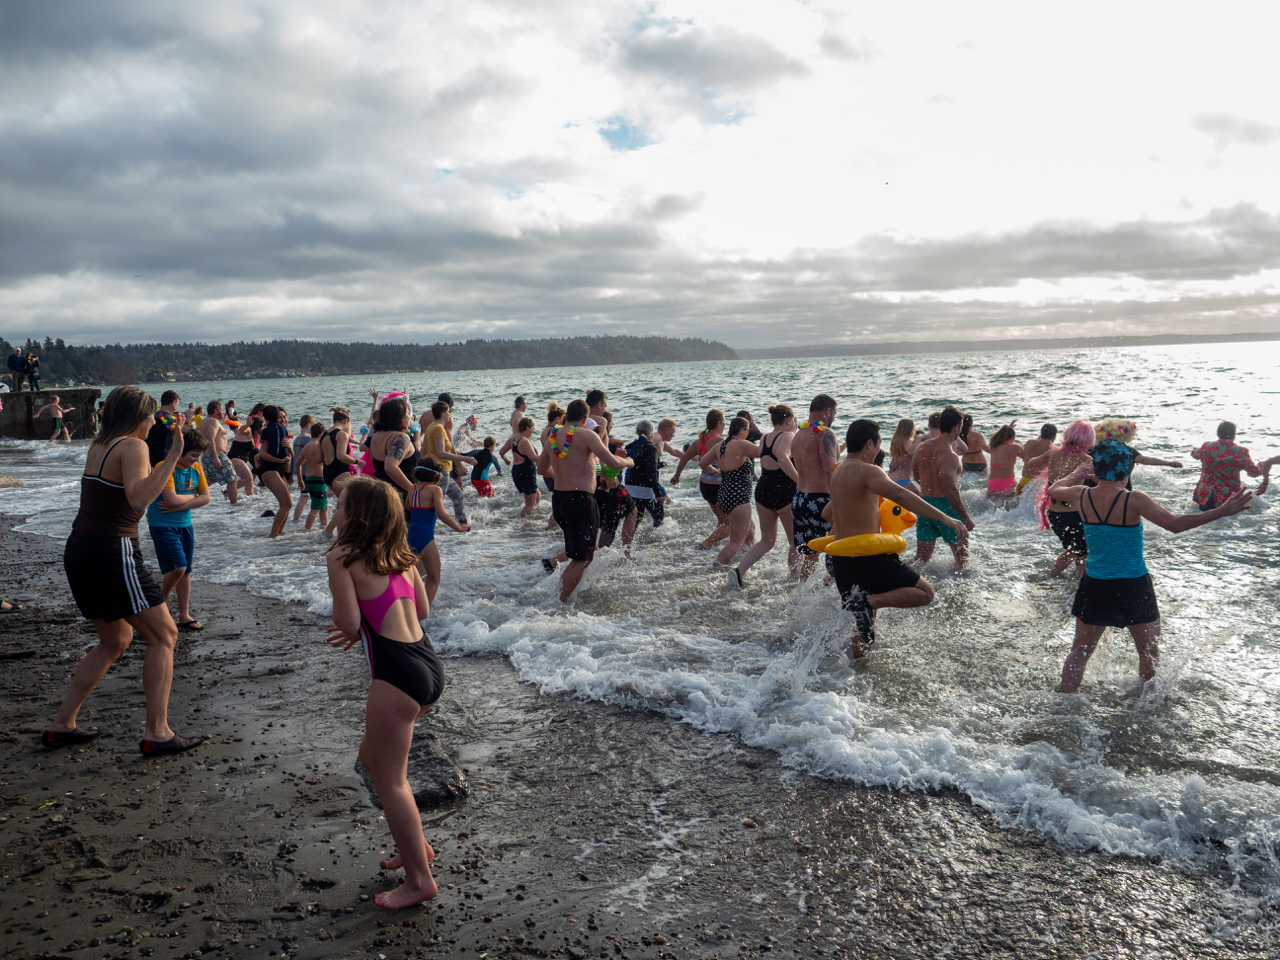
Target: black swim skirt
column 1070, row 530
column 413, row 668
column 525, row 478
column 579, row 518
column 108, row 578
column 774, row 490
column 710, row 492
column 1116, row 603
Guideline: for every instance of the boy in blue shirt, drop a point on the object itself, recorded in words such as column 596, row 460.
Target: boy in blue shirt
column 169, row 519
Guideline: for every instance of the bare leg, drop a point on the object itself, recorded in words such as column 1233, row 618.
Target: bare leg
column 246, row 478
column 768, row 537
column 793, row 557
column 1087, row 636
column 1065, row 558
column 571, row 577
column 921, row 595
column 1146, row 637
column 807, row 564
column 183, row 591
column 629, row 530
column 275, row 483
column 720, row 532
column 959, row 553
column 924, row 550
column 739, row 527
column 169, row 581
column 158, row 631
column 388, row 731
column 429, row 569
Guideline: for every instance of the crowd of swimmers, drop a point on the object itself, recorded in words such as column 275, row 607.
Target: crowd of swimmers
column 389, row 490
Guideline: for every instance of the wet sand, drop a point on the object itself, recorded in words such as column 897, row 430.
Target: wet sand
column 588, row 831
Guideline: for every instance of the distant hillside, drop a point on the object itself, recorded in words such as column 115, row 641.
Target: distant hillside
column 882, row 348
column 160, row 362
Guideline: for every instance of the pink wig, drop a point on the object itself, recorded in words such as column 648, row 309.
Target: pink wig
column 1077, row 438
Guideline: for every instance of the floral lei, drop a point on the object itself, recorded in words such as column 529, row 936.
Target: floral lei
column 563, row 452
column 818, row 426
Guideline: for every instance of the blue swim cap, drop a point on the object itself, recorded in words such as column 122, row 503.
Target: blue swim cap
column 1112, row 460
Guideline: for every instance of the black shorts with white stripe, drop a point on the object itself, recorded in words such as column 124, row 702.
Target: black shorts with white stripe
column 108, row 577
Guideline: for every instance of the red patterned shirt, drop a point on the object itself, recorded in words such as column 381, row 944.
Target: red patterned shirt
column 1220, row 464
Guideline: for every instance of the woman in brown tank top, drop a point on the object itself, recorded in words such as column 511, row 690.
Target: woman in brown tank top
column 110, row 583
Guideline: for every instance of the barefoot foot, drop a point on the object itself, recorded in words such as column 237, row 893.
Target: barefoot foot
column 406, row 895
column 397, row 861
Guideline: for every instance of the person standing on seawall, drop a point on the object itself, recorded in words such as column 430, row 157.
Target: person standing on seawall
column 1116, row 589
column 17, row 369
column 32, row 367
column 109, row 580
column 1220, row 464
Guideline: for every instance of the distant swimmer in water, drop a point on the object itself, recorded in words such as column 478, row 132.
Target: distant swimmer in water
column 1116, row 590
column 902, row 448
column 1061, row 518
column 379, row 601
column 871, row 583
column 1036, row 447
column 936, row 467
column 1005, row 454
column 975, row 444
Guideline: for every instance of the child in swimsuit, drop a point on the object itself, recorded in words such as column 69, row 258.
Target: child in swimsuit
column 426, row 504
column 485, row 461
column 378, row 602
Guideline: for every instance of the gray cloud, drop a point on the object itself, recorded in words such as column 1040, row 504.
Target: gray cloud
column 723, row 63
column 1227, row 131
column 836, row 46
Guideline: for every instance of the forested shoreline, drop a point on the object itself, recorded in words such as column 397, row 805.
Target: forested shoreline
column 160, row 362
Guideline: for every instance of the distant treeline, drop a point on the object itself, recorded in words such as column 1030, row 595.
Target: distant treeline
column 160, row 362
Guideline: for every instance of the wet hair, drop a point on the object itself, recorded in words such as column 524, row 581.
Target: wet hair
column 666, row 423
column 949, row 419
column 127, row 408
column 166, row 398
column 1077, row 438
column 439, row 409
column 595, row 398
column 375, row 530
column 519, row 402
column 1112, row 460
column 965, row 426
column 934, row 419
column 340, row 414
column 1048, row 432
column 821, row 402
column 391, row 415
column 644, row 429
column 317, row 430
column 738, row 423
column 577, row 411
column 193, row 441
column 525, row 423
column 904, row 433
column 778, row 414
column 714, row 419
column 489, row 443
column 859, row 434
column 428, row 470
column 1226, row 430
column 1004, row 435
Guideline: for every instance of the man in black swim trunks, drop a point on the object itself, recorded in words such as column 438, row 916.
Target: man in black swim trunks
column 868, row 583
column 573, row 503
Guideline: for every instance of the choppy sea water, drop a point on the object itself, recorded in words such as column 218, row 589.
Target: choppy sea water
column 957, row 695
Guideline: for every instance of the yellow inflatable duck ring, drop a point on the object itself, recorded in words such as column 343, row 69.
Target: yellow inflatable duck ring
column 893, row 520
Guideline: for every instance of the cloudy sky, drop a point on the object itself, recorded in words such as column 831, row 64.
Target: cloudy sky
column 761, row 173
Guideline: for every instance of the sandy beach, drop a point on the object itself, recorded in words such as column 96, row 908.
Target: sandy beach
column 588, row 830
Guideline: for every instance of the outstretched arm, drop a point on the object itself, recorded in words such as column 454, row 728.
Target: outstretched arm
column 1157, row 462
column 1148, row 509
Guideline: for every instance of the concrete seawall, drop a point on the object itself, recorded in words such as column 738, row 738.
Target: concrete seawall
column 17, row 420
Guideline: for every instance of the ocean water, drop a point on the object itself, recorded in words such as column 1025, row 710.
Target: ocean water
column 957, row 695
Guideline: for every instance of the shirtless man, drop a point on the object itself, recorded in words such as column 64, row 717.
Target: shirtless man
column 936, row 467
column 573, row 503
column 596, row 404
column 57, row 411
column 867, row 584
column 516, row 416
column 1036, row 448
column 214, row 461
column 815, row 451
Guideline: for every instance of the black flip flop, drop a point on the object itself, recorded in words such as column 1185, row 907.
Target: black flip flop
column 190, row 625
column 53, row 739
column 177, row 744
